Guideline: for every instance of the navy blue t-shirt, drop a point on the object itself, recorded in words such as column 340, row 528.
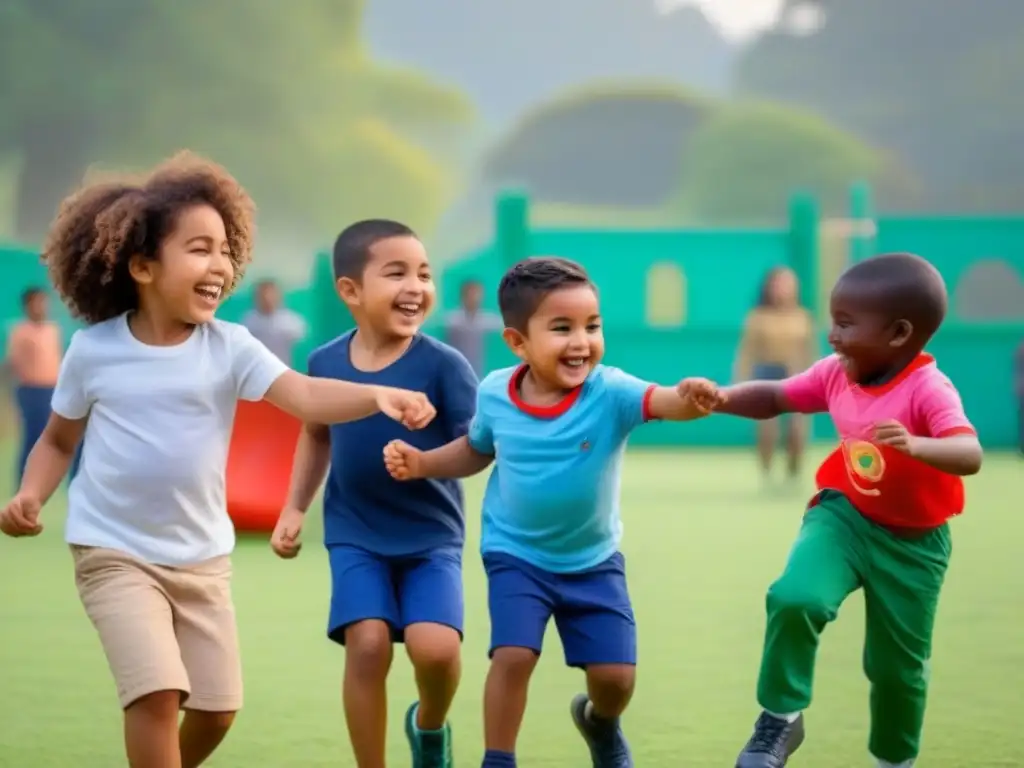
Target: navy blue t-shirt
column 363, row 505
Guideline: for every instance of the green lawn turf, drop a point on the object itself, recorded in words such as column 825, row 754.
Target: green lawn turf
column 702, row 542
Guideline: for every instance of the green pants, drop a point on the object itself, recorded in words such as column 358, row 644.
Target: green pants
column 836, row 552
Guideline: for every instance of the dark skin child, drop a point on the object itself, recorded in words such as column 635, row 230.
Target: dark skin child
column 874, row 345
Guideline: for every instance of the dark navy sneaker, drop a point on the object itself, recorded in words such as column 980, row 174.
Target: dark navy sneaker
column 774, row 740
column 430, row 749
column 607, row 742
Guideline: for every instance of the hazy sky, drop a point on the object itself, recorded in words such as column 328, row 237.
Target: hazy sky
column 737, row 19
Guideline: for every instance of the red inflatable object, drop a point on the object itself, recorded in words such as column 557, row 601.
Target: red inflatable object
column 260, row 465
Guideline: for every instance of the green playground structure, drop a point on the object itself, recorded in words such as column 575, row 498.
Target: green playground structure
column 674, row 299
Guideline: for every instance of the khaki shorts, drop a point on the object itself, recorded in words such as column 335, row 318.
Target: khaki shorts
column 163, row 628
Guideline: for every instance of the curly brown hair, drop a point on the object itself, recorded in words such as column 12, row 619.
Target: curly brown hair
column 99, row 228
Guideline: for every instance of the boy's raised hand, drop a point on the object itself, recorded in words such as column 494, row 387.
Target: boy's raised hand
column 21, row 517
column 402, row 460
column 286, row 540
column 703, row 393
column 411, row 409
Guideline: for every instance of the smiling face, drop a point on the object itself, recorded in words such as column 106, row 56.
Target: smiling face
column 188, row 280
column 564, row 340
column 871, row 343
column 396, row 290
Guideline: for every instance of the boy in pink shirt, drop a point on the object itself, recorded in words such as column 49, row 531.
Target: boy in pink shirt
column 878, row 521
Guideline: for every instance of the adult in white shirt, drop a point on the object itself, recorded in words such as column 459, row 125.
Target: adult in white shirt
column 277, row 327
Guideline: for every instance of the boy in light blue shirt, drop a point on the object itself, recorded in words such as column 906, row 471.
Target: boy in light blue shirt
column 557, row 426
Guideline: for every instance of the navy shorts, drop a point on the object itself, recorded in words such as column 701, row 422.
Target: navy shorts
column 398, row 590
column 591, row 608
column 769, row 372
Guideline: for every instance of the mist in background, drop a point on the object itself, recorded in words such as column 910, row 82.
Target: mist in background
column 708, row 112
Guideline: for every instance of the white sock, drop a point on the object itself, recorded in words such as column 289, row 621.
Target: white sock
column 592, row 717
column 887, row 764
column 790, row 718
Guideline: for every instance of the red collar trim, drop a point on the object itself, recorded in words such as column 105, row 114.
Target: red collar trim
column 917, row 363
column 539, row 411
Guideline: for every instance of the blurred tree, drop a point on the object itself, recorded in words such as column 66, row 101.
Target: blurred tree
column 606, row 144
column 512, row 54
column 939, row 85
column 284, row 96
column 743, row 165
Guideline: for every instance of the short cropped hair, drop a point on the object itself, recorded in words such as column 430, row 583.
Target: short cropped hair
column 526, row 284
column 101, row 227
column 352, row 247
column 905, row 286
column 30, row 293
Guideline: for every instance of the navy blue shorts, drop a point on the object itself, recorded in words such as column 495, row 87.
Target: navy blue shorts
column 398, row 590
column 769, row 372
column 591, row 608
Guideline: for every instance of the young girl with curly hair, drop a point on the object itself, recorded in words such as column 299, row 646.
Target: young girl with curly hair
column 152, row 384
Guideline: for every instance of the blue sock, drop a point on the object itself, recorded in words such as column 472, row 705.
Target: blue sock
column 603, row 722
column 495, row 759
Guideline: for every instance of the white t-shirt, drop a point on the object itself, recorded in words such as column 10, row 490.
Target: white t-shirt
column 151, row 482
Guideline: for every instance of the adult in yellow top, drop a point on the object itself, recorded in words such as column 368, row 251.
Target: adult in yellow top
column 778, row 341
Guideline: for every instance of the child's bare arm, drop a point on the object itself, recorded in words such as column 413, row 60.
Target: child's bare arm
column 309, row 466
column 755, row 400
column 455, row 460
column 956, row 455
column 690, row 399
column 329, row 401
column 51, row 457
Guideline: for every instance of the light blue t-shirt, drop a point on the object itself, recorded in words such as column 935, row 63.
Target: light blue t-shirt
column 553, row 496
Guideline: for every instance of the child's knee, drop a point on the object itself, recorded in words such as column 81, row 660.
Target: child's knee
column 433, row 649
column 514, row 664
column 795, row 600
column 214, row 725
column 159, row 705
column 368, row 648
column 611, row 684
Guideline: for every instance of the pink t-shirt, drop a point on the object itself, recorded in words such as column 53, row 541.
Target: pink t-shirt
column 921, row 398
column 884, row 484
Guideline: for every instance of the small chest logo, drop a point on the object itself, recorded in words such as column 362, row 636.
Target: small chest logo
column 585, row 445
column 864, row 462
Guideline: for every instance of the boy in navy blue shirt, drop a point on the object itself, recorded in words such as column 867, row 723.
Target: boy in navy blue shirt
column 395, row 548
column 557, row 426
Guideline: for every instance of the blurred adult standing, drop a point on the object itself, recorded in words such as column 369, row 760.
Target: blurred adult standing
column 778, row 341
column 272, row 323
column 468, row 327
column 34, row 351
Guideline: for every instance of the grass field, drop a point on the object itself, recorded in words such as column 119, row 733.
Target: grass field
column 703, row 543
